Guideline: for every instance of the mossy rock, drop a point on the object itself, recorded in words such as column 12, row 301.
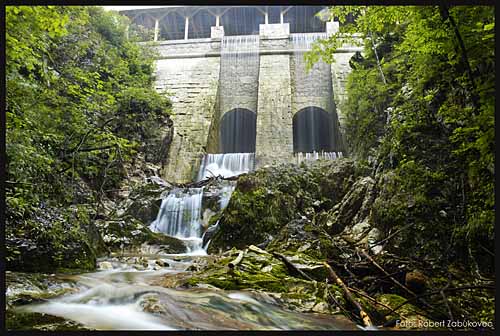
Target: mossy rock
column 128, row 232
column 265, row 200
column 24, row 288
column 143, row 202
column 40, row 322
column 53, row 238
column 408, row 314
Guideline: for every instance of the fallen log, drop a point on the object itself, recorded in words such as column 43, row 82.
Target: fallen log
column 364, row 316
column 363, row 252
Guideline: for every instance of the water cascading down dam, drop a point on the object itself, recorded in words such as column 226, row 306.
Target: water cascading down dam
column 316, row 134
column 180, row 213
column 239, row 73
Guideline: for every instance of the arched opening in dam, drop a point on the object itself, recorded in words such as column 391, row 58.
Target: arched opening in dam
column 238, row 131
column 312, row 131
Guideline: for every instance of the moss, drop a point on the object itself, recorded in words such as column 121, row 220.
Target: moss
column 37, row 321
column 128, row 232
column 54, row 238
column 266, row 200
column 393, row 300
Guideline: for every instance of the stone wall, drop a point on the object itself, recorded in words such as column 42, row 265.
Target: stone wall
column 204, row 87
column 274, row 141
column 192, row 84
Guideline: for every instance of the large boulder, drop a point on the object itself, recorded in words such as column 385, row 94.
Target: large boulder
column 129, row 233
column 266, row 200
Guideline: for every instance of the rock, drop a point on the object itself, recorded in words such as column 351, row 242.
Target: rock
column 304, row 247
column 139, row 267
column 40, row 322
column 132, row 234
column 321, row 307
column 150, row 303
column 267, row 199
column 267, row 268
column 70, row 240
column 353, row 210
column 105, row 265
column 416, row 281
column 162, row 263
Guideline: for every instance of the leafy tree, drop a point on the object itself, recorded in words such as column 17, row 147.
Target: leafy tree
column 80, row 105
column 421, row 104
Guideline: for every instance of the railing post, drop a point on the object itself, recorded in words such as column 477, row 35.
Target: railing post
column 186, row 28
column 157, row 29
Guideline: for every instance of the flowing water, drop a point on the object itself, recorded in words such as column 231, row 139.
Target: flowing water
column 226, row 165
column 180, row 217
column 129, row 292
column 124, row 298
column 301, row 157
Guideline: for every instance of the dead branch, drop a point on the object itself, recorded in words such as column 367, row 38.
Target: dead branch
column 386, row 273
column 291, row 267
column 368, row 297
column 345, row 311
column 392, row 235
column 364, row 316
column 236, row 261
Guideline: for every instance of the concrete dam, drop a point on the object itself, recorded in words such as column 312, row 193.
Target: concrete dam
column 242, row 97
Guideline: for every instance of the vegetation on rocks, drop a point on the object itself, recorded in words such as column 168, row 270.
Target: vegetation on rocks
column 385, row 271
column 420, row 111
column 80, row 110
column 264, row 201
column 403, row 229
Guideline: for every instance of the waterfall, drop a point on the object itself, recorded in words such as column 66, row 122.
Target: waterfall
column 226, row 165
column 239, row 73
column 301, row 157
column 181, row 210
column 302, row 42
column 316, row 132
column 180, row 214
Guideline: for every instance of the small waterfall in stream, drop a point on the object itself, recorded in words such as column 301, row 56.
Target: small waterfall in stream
column 180, row 215
column 301, row 157
column 181, row 211
column 226, row 165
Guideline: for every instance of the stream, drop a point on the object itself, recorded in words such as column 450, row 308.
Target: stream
column 126, row 297
column 137, row 291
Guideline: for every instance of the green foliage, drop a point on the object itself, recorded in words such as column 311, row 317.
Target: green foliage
column 430, row 123
column 80, row 102
column 80, row 105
